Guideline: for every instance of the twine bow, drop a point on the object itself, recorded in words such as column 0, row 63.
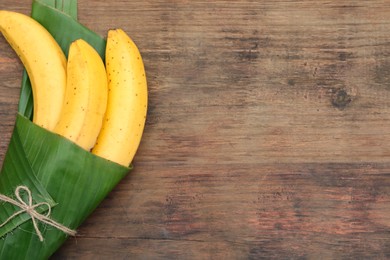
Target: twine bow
column 30, row 209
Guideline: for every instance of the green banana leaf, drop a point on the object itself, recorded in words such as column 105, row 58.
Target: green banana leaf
column 57, row 171
column 66, row 6
column 71, row 180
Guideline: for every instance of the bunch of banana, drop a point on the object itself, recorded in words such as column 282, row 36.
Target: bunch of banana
column 101, row 108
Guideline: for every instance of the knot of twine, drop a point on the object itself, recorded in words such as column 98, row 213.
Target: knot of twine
column 29, row 208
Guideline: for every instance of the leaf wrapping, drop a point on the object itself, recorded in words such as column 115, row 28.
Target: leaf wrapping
column 71, row 179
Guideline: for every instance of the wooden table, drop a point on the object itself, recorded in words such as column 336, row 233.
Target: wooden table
column 267, row 136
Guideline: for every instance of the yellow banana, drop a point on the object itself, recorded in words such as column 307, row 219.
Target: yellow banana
column 85, row 96
column 44, row 61
column 124, row 120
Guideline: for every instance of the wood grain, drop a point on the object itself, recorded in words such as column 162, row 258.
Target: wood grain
column 267, row 136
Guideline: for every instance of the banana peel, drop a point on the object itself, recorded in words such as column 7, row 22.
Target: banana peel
column 55, row 170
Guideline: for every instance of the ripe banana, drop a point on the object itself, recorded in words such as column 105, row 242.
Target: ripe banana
column 44, row 61
column 124, row 120
column 85, row 96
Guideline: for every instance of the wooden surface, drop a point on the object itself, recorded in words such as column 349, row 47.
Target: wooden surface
column 267, row 136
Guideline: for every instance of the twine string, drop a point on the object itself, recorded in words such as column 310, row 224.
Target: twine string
column 30, row 208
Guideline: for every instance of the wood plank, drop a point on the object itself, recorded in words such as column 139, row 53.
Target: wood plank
column 257, row 211
column 267, row 136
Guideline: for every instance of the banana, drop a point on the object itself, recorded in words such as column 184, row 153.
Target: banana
column 125, row 116
column 44, row 61
column 85, row 96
